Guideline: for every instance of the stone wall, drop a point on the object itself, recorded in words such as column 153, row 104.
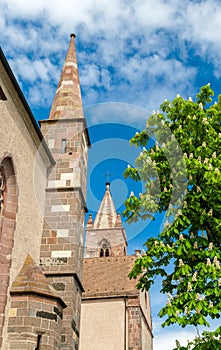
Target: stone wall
column 114, row 236
column 21, row 227
column 34, row 320
column 63, row 231
column 134, row 325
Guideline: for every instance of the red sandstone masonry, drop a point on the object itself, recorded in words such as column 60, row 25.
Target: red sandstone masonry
column 35, row 309
column 134, row 325
column 7, row 234
column 66, row 121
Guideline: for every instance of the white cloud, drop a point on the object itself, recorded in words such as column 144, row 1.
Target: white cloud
column 166, row 339
column 93, row 75
column 157, row 14
column 137, row 52
column 33, row 70
column 203, row 22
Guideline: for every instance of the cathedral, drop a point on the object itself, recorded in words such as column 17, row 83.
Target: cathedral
column 54, row 293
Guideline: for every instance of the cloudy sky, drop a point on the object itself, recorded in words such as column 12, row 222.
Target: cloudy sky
column 131, row 54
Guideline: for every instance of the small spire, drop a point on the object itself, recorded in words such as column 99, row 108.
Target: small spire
column 67, row 99
column 138, row 253
column 106, row 215
column 118, row 221
column 90, row 221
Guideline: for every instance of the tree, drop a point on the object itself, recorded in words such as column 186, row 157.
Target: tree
column 208, row 341
column 181, row 177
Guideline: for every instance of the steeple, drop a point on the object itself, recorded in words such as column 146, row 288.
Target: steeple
column 106, row 216
column 68, row 94
column 106, row 235
column 62, row 238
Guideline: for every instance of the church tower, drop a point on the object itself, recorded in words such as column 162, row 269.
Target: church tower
column 62, row 240
column 114, row 314
column 106, row 235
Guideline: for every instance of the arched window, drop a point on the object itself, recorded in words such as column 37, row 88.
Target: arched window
column 101, row 253
column 104, row 248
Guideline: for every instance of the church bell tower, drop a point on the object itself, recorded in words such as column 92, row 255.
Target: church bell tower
column 62, row 240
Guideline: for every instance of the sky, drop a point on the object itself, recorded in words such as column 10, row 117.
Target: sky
column 131, row 56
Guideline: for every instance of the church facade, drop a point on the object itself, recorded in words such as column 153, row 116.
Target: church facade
column 43, row 174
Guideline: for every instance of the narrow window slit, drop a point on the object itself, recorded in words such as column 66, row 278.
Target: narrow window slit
column 63, row 145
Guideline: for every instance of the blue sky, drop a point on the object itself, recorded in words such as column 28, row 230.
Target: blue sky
column 132, row 55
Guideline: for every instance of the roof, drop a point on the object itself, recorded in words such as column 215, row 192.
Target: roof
column 105, row 277
column 31, row 279
column 67, row 102
column 25, row 104
column 106, row 216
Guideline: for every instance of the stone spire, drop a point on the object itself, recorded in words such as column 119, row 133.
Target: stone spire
column 67, row 101
column 106, row 216
column 105, row 236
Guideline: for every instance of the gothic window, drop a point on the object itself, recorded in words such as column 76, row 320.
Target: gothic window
column 101, row 253
column 2, row 187
column 105, row 248
column 104, row 252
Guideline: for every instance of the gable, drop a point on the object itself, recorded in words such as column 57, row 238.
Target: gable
column 12, row 96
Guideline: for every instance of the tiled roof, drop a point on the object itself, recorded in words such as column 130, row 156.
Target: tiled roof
column 106, row 216
column 108, row 277
column 31, row 279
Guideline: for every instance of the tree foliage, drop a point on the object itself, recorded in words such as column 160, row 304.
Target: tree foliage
column 181, row 173
column 208, row 341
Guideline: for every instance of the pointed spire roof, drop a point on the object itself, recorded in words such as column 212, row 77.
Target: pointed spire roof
column 106, row 216
column 67, row 99
column 31, row 279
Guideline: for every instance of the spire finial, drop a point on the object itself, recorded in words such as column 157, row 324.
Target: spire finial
column 73, row 35
column 107, row 186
